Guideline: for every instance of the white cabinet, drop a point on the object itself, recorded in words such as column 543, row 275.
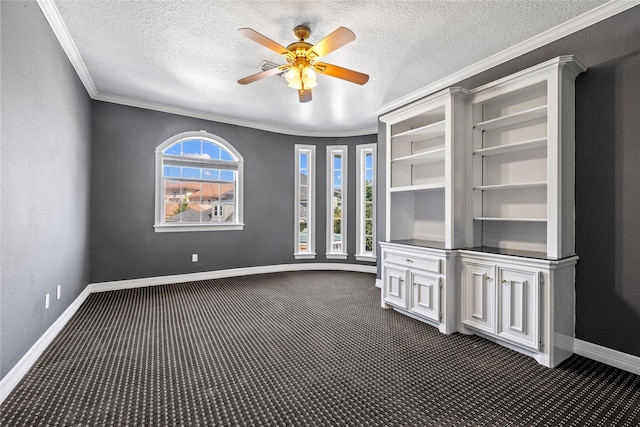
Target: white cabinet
column 478, row 295
column 518, row 302
column 481, row 184
column 525, row 303
column 395, row 286
column 425, row 295
column 414, row 283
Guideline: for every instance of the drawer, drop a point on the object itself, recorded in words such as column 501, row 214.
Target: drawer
column 409, row 260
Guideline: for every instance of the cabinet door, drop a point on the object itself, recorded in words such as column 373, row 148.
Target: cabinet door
column 425, row 295
column 395, row 286
column 518, row 306
column 478, row 296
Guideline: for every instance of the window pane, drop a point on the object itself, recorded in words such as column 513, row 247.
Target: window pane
column 192, row 148
column 210, row 150
column 368, row 175
column 171, row 171
column 175, row 149
column 337, row 162
column 304, row 236
column 368, row 244
column 368, row 161
column 193, row 173
column 210, row 174
column 224, row 155
column 226, row 175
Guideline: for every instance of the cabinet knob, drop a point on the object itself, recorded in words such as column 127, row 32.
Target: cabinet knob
column 505, row 281
column 409, row 260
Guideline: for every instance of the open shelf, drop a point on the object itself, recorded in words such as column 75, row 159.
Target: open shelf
column 419, row 187
column 486, row 218
column 512, row 119
column 436, row 155
column 512, row 147
column 511, row 186
column 421, row 133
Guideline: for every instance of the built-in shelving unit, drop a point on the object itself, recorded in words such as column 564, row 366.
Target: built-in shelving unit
column 425, row 143
column 522, row 125
column 480, row 210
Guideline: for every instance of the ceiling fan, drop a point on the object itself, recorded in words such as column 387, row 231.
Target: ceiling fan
column 302, row 59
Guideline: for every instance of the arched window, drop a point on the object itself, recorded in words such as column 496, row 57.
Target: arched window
column 198, row 184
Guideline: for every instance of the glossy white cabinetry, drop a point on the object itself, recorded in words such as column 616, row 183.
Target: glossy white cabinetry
column 481, row 183
column 415, row 283
column 524, row 303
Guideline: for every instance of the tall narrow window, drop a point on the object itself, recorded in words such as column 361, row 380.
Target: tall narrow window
column 365, row 204
column 305, row 184
column 337, row 201
column 198, row 184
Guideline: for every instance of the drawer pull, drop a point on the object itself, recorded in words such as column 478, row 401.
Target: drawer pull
column 409, row 260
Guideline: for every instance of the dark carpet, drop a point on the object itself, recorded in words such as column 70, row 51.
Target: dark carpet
column 296, row 349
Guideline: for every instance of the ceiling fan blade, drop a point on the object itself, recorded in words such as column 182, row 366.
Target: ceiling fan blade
column 304, row 97
column 333, row 41
column 265, row 41
column 341, row 73
column 262, row 74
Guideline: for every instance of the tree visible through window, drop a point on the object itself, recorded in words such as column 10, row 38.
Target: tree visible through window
column 366, row 189
column 304, row 201
column 336, row 201
column 199, row 183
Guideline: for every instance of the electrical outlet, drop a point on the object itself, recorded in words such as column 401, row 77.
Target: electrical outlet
column 194, row 257
column 58, row 292
column 46, row 301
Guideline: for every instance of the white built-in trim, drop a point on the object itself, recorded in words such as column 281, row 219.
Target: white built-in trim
column 310, row 152
column 362, row 151
column 379, row 283
column 571, row 26
column 334, row 151
column 608, row 356
column 16, row 374
column 52, row 15
column 237, row 165
column 188, row 112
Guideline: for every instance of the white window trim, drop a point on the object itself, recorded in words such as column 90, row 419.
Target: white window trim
column 311, row 202
column 161, row 227
column 361, row 151
column 331, row 150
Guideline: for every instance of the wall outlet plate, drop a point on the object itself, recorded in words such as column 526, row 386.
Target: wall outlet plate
column 46, row 301
column 58, row 291
column 194, row 257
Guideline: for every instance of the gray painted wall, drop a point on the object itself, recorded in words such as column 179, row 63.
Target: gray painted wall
column 607, row 175
column 124, row 244
column 44, row 219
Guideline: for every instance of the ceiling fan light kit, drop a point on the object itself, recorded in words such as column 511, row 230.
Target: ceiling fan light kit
column 302, row 66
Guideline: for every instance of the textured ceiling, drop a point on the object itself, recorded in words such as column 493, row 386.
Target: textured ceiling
column 188, row 55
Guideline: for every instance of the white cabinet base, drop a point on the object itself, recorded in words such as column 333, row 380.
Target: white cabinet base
column 416, row 283
column 526, row 304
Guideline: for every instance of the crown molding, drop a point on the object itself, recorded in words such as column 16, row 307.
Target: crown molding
column 132, row 102
column 52, row 15
column 578, row 23
column 587, row 19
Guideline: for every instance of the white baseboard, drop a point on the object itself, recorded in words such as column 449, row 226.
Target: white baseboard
column 379, row 283
column 611, row 357
column 232, row 272
column 13, row 377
